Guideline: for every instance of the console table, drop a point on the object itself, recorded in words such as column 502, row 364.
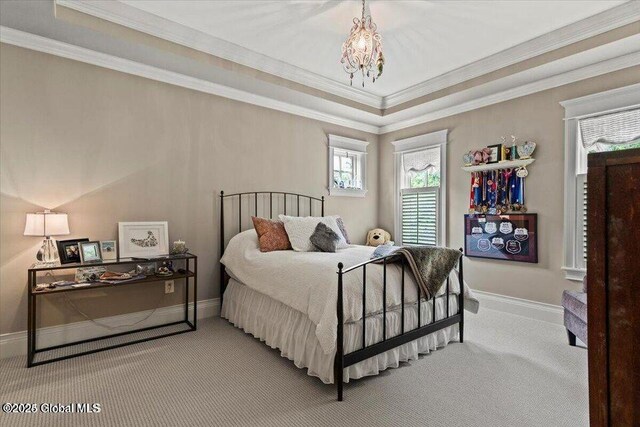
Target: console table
column 186, row 263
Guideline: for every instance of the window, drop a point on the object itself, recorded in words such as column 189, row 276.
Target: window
column 601, row 122
column 596, row 135
column 347, row 163
column 420, row 216
column 346, row 170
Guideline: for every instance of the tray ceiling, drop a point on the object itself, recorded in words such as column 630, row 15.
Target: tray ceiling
column 422, row 39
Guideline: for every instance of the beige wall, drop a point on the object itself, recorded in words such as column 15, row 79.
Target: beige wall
column 536, row 117
column 107, row 147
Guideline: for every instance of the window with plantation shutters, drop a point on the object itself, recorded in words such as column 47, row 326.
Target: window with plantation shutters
column 604, row 121
column 420, row 191
column 420, row 216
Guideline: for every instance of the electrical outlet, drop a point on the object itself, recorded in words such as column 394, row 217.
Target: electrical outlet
column 168, row 286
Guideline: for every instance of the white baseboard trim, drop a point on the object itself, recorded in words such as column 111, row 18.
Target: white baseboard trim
column 15, row 343
column 521, row 307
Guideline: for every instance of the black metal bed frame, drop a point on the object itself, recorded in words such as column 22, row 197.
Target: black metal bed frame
column 343, row 360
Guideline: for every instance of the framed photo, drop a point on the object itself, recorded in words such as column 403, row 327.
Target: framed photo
column 509, row 237
column 69, row 250
column 90, row 252
column 496, row 153
column 505, row 153
column 108, row 249
column 143, row 239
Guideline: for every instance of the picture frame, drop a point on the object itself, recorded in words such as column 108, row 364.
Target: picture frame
column 69, row 250
column 496, row 153
column 90, row 252
column 505, row 153
column 143, row 239
column 507, row 237
column 109, row 249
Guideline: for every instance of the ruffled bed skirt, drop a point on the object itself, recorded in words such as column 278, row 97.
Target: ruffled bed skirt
column 291, row 331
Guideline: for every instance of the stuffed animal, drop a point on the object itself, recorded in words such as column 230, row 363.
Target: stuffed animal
column 377, row 237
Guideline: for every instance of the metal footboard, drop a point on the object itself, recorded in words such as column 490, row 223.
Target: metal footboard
column 343, row 360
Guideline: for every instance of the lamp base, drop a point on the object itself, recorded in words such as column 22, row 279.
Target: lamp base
column 48, row 253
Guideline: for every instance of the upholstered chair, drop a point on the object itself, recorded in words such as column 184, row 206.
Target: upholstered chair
column 575, row 313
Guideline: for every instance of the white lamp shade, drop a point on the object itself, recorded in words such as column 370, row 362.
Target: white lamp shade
column 46, row 224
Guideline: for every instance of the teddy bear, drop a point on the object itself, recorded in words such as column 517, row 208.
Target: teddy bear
column 377, row 237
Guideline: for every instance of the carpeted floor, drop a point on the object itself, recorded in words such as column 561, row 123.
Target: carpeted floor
column 511, row 371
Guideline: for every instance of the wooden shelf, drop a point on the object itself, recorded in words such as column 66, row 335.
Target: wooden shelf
column 508, row 164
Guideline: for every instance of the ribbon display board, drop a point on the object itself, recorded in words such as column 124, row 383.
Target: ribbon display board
column 512, row 237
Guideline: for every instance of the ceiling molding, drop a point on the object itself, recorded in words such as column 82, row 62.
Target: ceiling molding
column 148, row 23
column 69, row 51
column 525, row 83
column 597, row 24
column 561, row 79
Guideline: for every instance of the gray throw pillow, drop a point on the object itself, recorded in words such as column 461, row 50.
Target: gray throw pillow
column 343, row 229
column 324, row 238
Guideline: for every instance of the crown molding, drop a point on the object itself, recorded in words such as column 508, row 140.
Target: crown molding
column 69, row 51
column 608, row 20
column 145, row 22
column 139, row 20
column 525, row 83
column 561, row 79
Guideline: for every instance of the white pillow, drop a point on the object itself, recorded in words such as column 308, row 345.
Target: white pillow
column 300, row 228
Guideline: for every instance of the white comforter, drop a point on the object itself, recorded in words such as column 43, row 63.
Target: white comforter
column 307, row 282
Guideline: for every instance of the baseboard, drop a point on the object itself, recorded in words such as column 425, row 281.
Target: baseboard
column 15, row 343
column 521, row 307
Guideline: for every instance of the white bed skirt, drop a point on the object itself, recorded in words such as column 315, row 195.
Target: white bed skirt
column 290, row 331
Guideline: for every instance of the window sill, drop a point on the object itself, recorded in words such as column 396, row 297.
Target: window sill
column 347, row 192
column 575, row 274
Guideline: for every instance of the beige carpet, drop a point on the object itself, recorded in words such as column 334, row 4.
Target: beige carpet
column 511, row 371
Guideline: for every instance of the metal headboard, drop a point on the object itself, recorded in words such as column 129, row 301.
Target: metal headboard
column 300, row 201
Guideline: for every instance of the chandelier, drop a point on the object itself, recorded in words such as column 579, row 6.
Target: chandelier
column 363, row 49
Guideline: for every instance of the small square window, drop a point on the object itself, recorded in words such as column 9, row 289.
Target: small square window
column 347, row 166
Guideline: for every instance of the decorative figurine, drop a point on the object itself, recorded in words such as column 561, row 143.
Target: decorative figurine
column 481, row 156
column 525, row 151
column 514, row 148
column 467, row 159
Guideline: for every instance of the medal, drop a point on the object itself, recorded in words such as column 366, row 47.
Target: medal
column 521, row 234
column 497, row 242
column 513, row 247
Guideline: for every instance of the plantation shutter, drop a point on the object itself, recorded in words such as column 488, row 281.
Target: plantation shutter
column 420, row 216
column 582, row 218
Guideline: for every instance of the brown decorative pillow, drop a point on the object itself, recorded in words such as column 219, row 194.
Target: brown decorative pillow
column 271, row 235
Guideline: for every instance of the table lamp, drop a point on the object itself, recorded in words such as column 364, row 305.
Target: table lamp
column 46, row 224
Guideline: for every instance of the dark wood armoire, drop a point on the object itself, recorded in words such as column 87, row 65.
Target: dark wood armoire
column 613, row 287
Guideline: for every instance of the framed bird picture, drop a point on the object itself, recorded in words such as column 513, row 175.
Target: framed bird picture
column 143, row 239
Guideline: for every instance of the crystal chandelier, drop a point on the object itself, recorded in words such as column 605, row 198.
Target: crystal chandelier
column 363, row 49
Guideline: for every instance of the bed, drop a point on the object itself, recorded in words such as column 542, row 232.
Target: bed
column 325, row 311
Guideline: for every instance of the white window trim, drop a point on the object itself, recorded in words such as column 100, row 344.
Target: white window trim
column 353, row 145
column 417, row 143
column 599, row 103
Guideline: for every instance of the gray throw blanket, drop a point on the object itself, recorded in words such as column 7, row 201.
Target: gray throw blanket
column 430, row 265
